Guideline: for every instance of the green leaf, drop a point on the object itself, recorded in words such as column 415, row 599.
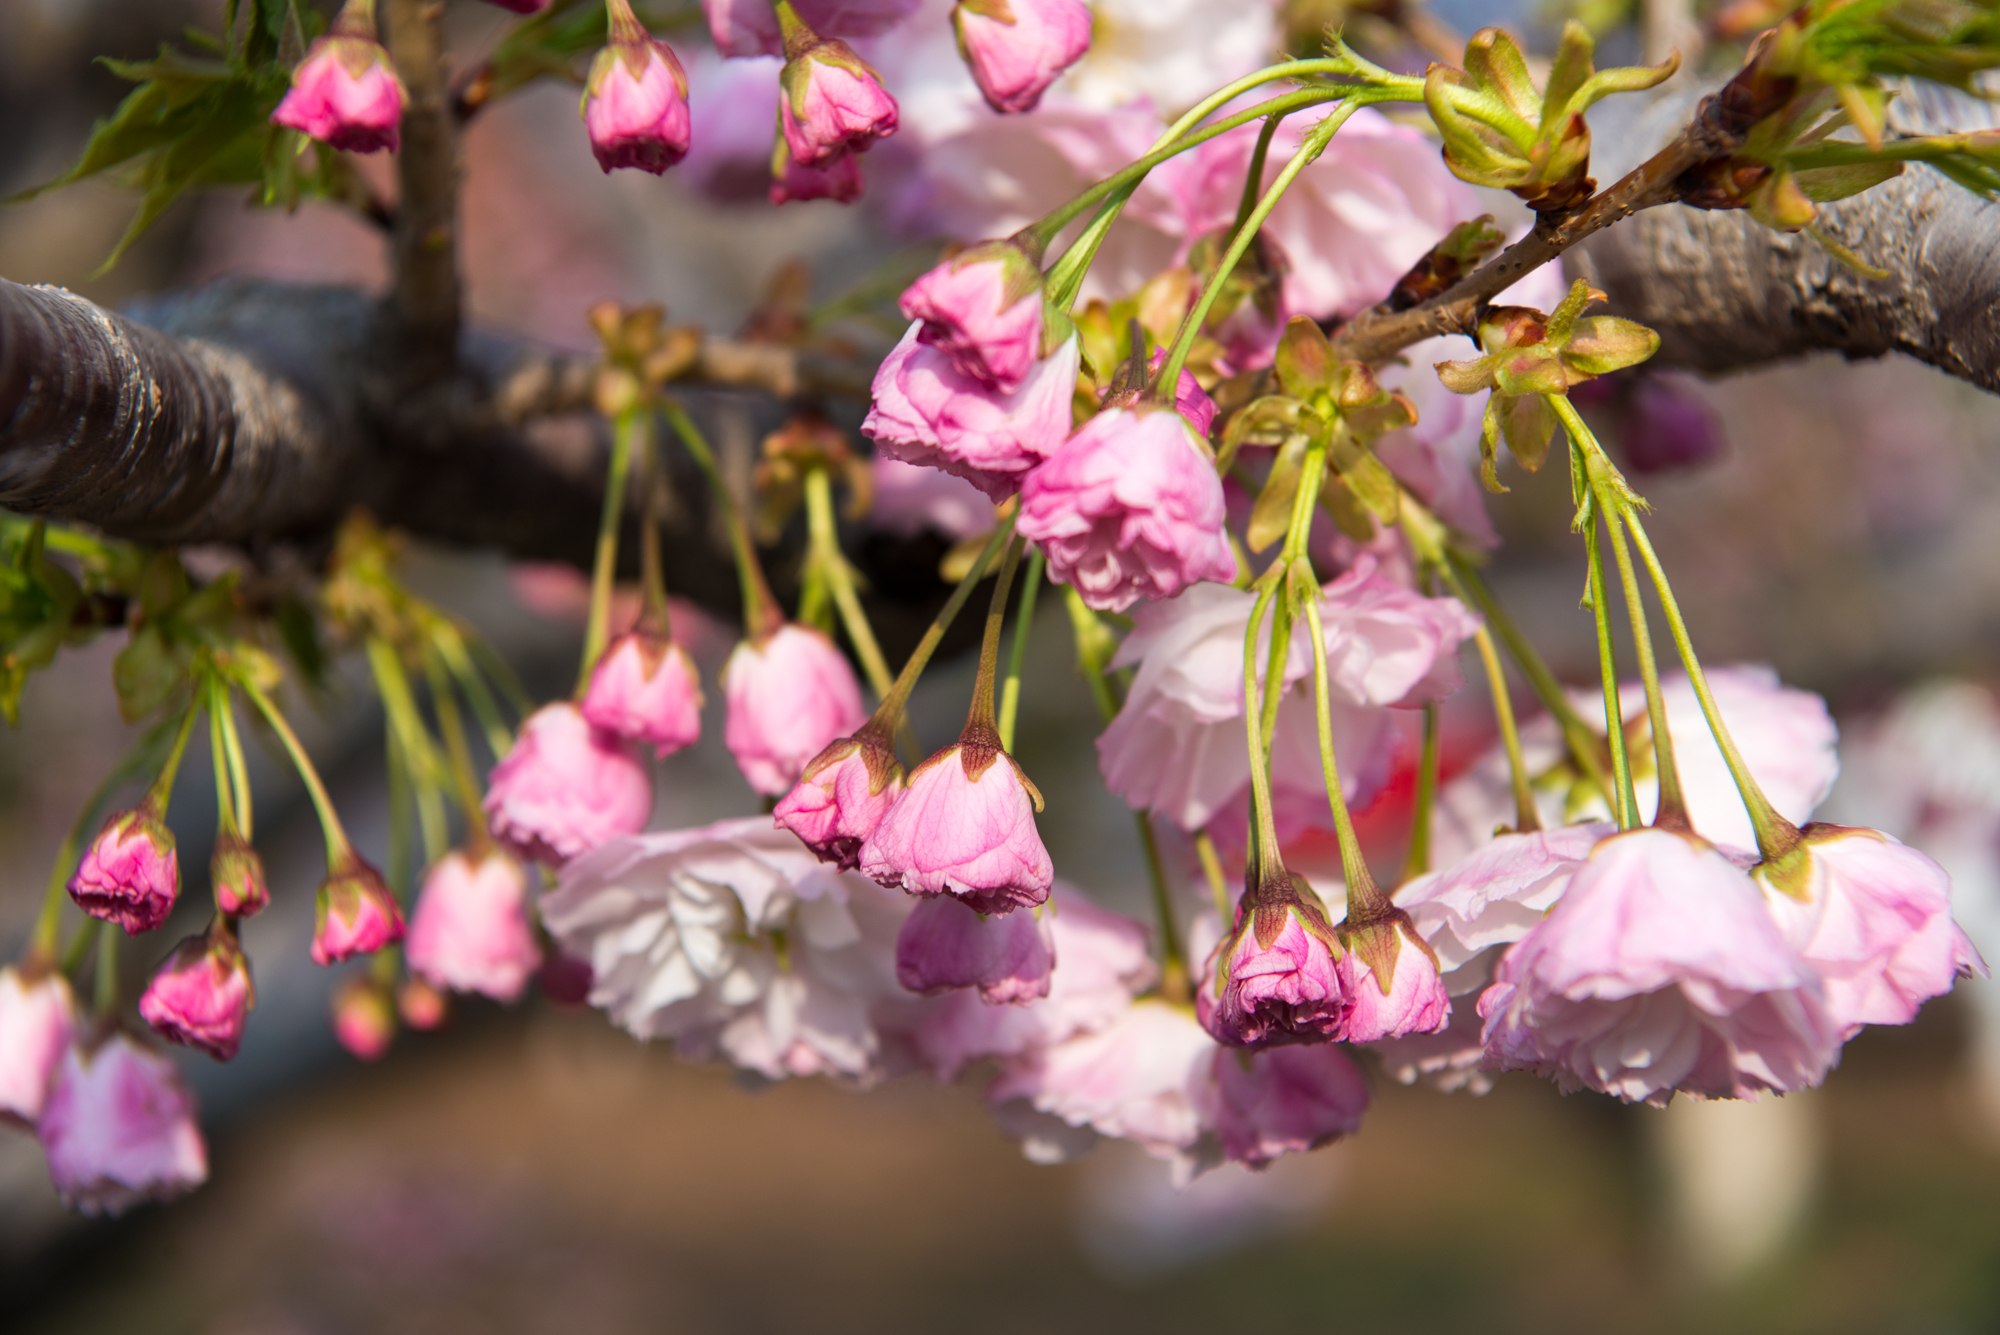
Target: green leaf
column 1528, row 424
column 1304, row 359
column 1272, row 514
column 145, row 673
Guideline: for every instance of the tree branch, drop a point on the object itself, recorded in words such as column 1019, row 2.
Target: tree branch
column 423, row 305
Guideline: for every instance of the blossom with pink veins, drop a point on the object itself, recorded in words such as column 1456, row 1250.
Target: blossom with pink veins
column 944, row 946
column 1017, row 48
column 119, row 1128
column 965, row 827
column 1415, row 1002
column 1497, row 893
column 1275, row 980
column 789, row 695
column 1176, row 748
column 1660, row 969
column 37, row 1022
column 1449, row 1060
column 926, row 411
column 842, row 797
column 734, row 939
column 130, row 875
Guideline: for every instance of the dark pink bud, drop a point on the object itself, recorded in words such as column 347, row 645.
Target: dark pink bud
column 842, row 797
column 1413, row 1001
column 943, row 946
column 119, row 1128
column 345, row 93
column 357, row 914
column 130, row 874
column 983, row 309
column 635, row 105
column 565, row 788
column 645, row 689
column 1275, row 979
column 965, row 827
column 364, row 1018
column 202, row 995
column 237, row 874
column 1016, row 48
column 830, row 104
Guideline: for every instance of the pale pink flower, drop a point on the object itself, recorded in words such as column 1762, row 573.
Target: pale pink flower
column 909, row 499
column 842, row 797
column 1497, row 893
column 837, row 179
column 364, row 1018
column 1415, row 1002
column 1449, row 1060
column 565, row 788
column 943, row 946
column 750, row 28
column 345, row 93
column 37, row 1022
column 1285, row 1101
column 119, row 1129
column 471, row 931
column 965, row 826
column 733, row 938
column 1016, row 48
column 790, row 694
column 130, row 874
column 926, row 411
column 831, row 104
column 645, row 689
column 1660, row 969
column 202, row 994
column 1275, row 980
column 635, row 105
column 1874, row 918
column 357, row 914
column 237, row 874
column 983, row 309
column 1129, row 508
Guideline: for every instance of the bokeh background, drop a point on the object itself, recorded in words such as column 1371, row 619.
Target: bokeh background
column 536, row 1171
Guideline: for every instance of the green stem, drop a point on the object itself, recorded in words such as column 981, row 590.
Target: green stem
column 1173, row 959
column 402, row 804
column 625, row 441
column 1418, row 860
column 653, row 613
column 1253, row 177
column 1010, row 691
column 1361, row 887
column 105, row 1001
column 1084, row 629
column 1626, row 808
column 1527, row 816
column 979, row 720
column 1211, row 867
column 890, row 711
column 218, row 754
column 399, row 705
column 832, row 561
column 79, row 945
column 450, row 646
column 761, row 614
column 163, row 786
column 458, row 753
column 1264, row 844
column 337, row 846
column 1671, row 812
column 501, row 675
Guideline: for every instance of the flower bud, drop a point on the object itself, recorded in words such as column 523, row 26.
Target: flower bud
column 1275, row 979
column 421, row 1005
column 790, row 694
column 471, row 931
column 1412, row 1000
column 364, row 1017
column 565, row 788
column 983, row 309
column 357, row 914
column 119, row 1128
column 965, row 827
column 943, row 946
column 345, row 93
column 635, row 105
column 842, row 797
column 830, row 103
column 237, row 874
column 645, row 689
column 837, row 179
column 202, row 994
column 1016, row 48
column 37, row 1022
column 130, row 874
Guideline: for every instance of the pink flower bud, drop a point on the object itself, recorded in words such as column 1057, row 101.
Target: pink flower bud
column 966, row 828
column 830, row 104
column 471, row 931
column 37, row 1022
column 119, row 1129
column 1285, row 1101
column 789, row 696
column 1016, row 48
column 837, row 179
column 645, row 689
column 357, row 914
column 565, row 788
column 842, row 797
column 1274, row 980
column 926, row 411
column 202, row 994
column 345, row 93
column 237, row 874
column 1129, row 508
column 943, row 946
column 983, row 309
column 421, row 1005
column 635, row 105
column 130, row 874
column 1414, row 1002
column 364, row 1018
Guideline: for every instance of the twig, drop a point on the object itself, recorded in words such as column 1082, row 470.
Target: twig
column 423, row 304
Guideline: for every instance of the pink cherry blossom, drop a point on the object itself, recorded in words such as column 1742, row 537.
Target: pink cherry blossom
column 1129, row 508
column 202, row 994
column 964, row 827
column 37, row 1022
column 1190, row 399
column 237, row 874
column 130, row 874
column 943, row 945
column 750, row 28
column 1285, row 1101
column 119, row 1129
column 1016, row 48
column 645, row 689
column 364, row 1018
column 1291, row 990
column 926, row 411
column 832, row 105
column 983, row 309
column 1497, row 893
column 565, row 788
column 635, row 106
column 1414, row 1003
column 345, row 93
column 1874, row 918
column 1660, row 969
column 471, row 931
column 357, row 914
column 842, row 797
column 910, row 499
column 789, row 694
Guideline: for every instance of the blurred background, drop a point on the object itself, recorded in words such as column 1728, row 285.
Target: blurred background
column 537, row 1171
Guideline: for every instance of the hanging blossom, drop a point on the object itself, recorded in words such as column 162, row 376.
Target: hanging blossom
column 733, row 939
column 119, row 1128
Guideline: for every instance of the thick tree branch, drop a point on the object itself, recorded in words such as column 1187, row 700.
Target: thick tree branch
column 423, row 305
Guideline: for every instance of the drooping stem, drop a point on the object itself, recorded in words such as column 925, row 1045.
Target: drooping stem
column 458, row 753
column 839, row 575
column 337, row 846
column 1093, row 657
column 239, row 767
column 761, row 613
column 626, row 440
column 450, row 645
column 1672, row 810
column 1527, row 816
column 105, row 999
column 890, row 711
column 979, row 720
column 1361, row 887
column 1211, row 867
column 1264, row 828
column 399, row 705
column 1625, row 805
column 654, row 616
column 1253, row 176
column 1418, row 860
column 163, row 786
column 1024, row 616
column 1173, row 959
